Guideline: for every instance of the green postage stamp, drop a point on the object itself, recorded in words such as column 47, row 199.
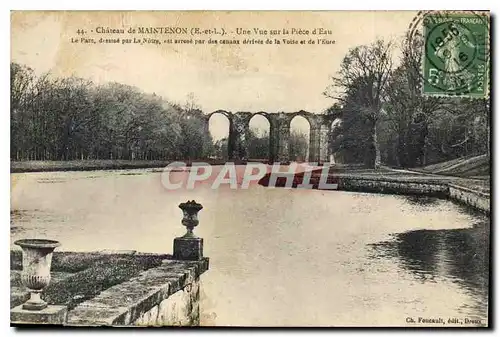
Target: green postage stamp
column 456, row 54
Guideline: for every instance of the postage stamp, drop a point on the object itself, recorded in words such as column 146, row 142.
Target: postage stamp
column 456, row 54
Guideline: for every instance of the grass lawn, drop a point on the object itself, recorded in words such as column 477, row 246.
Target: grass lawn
column 83, row 165
column 90, row 165
column 478, row 166
column 78, row 277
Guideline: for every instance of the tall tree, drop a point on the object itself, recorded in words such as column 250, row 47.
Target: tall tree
column 408, row 111
column 362, row 82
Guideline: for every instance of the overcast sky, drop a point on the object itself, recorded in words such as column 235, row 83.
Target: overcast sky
column 231, row 77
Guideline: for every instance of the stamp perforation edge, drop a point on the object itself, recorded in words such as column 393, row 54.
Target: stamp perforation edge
column 415, row 26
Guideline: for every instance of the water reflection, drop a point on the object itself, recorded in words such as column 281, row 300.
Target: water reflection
column 459, row 255
column 423, row 201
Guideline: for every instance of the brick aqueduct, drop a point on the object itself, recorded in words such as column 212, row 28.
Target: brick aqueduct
column 279, row 134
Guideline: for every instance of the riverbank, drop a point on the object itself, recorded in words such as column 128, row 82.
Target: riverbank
column 474, row 193
column 92, row 165
column 83, row 165
column 471, row 192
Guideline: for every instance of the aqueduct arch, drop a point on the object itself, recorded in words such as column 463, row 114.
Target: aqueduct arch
column 279, row 134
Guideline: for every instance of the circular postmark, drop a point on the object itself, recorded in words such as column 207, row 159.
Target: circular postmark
column 451, row 47
column 455, row 48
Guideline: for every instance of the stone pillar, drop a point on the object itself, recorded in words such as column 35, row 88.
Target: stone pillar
column 52, row 314
column 273, row 137
column 283, row 137
column 323, row 144
column 240, row 136
column 318, row 140
column 314, row 138
column 272, row 140
column 206, row 131
column 189, row 246
column 313, row 143
column 231, row 153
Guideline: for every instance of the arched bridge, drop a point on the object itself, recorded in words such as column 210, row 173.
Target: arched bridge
column 279, row 134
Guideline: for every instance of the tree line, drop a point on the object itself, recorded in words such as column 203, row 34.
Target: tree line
column 73, row 118
column 385, row 119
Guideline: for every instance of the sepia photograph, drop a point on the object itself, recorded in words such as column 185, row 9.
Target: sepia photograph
column 250, row 168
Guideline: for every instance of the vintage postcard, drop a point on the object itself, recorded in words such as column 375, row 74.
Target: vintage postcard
column 250, row 168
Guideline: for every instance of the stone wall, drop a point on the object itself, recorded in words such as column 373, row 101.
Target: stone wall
column 180, row 309
column 475, row 199
column 393, row 187
column 164, row 296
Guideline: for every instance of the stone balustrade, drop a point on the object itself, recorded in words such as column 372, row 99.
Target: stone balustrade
column 119, row 288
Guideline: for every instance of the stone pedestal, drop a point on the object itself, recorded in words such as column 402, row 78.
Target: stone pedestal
column 188, row 248
column 52, row 314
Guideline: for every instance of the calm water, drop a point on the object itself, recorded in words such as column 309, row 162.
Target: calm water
column 278, row 257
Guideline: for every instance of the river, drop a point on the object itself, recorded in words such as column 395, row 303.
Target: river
column 278, row 257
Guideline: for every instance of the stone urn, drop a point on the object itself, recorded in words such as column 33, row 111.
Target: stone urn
column 189, row 246
column 190, row 211
column 37, row 259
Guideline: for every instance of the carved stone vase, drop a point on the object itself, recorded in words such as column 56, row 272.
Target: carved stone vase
column 189, row 246
column 37, row 259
